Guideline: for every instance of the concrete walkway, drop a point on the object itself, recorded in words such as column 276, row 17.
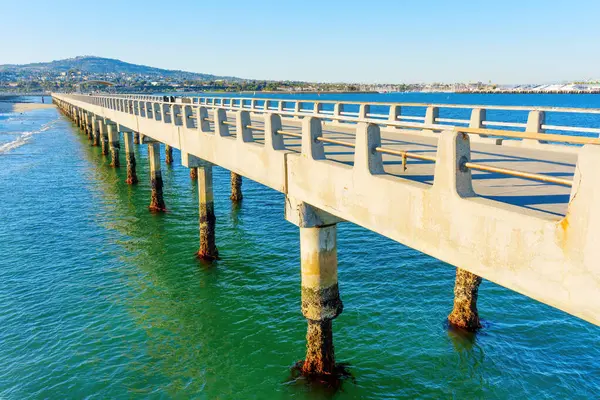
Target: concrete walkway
column 549, row 198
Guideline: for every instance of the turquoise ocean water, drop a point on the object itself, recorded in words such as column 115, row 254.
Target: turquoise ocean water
column 101, row 299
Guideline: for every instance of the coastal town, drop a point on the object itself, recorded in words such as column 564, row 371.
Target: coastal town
column 95, row 73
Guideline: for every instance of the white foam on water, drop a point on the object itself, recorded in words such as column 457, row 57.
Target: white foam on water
column 24, row 137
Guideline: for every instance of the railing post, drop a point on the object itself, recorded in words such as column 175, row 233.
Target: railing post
column 318, row 107
column 431, row 115
column 311, row 130
column 165, row 113
column 366, row 158
column 242, row 121
column 395, row 113
column 535, row 120
column 221, row 129
column 175, row 114
column 157, row 111
column 203, row 124
column 188, row 117
column 363, row 111
column 297, row 109
column 273, row 140
column 478, row 115
column 450, row 175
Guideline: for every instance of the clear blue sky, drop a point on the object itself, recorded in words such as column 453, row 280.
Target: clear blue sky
column 505, row 41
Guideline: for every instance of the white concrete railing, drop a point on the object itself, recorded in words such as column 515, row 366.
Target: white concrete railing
column 534, row 134
column 392, row 112
column 548, row 258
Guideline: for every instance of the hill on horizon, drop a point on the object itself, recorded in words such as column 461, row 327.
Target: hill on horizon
column 101, row 65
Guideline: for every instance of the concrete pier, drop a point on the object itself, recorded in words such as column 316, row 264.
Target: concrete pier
column 464, row 315
column 518, row 209
column 132, row 178
column 136, row 138
column 193, row 174
column 208, row 249
column 113, row 140
column 168, row 155
column 236, row 187
column 157, row 202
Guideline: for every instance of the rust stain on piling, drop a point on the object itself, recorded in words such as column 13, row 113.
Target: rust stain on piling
column 157, row 202
column 236, row 187
column 208, row 249
column 168, row 155
column 132, row 178
column 464, row 315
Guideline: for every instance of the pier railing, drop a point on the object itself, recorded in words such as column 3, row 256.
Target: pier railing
column 516, row 125
column 164, row 107
column 157, row 107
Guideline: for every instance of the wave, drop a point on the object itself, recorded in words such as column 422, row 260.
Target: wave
column 25, row 137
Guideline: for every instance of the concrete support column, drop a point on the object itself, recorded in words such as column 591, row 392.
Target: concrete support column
column 94, row 133
column 132, row 178
column 157, row 202
column 103, row 137
column 168, row 155
column 236, row 187
column 320, row 296
column 321, row 301
column 208, row 249
column 89, row 126
column 464, row 315
column 136, row 138
column 113, row 140
column 193, row 174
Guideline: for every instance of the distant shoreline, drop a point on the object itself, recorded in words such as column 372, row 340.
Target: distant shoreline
column 304, row 92
column 520, row 92
column 10, row 107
